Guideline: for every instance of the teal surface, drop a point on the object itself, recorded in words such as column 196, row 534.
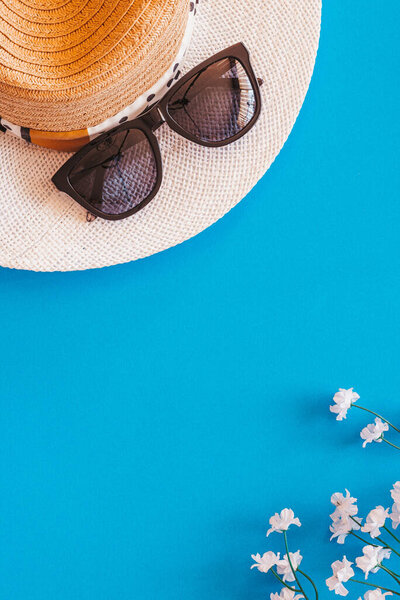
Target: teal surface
column 155, row 414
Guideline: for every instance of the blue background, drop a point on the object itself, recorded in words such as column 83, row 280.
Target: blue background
column 155, row 414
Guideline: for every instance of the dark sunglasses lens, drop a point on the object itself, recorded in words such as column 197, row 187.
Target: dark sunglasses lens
column 216, row 103
column 118, row 173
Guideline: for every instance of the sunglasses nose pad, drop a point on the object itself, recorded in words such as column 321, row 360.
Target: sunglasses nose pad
column 90, row 217
column 260, row 81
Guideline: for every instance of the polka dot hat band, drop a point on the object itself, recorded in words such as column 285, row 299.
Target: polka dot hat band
column 73, row 69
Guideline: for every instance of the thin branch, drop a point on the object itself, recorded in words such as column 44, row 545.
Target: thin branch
column 390, row 443
column 283, row 582
column 291, row 566
column 376, row 414
column 375, row 586
column 392, row 534
column 311, row 581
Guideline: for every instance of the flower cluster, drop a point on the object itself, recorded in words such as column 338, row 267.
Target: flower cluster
column 376, row 595
column 373, row 432
column 344, row 399
column 286, row 569
column 281, row 522
column 342, row 572
column 345, row 521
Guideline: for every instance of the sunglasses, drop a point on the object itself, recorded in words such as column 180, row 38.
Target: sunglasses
column 119, row 172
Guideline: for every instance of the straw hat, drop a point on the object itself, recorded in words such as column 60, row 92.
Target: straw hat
column 70, row 68
column 67, row 65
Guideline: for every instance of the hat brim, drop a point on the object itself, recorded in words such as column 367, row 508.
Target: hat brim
column 44, row 230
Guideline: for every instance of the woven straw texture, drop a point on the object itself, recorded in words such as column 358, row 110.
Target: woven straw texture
column 41, row 229
column 71, row 64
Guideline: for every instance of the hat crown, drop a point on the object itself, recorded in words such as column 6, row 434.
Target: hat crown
column 44, row 4
column 70, row 64
column 45, row 11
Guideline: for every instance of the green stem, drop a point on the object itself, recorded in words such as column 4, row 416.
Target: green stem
column 386, row 545
column 283, row 583
column 391, row 533
column 359, row 536
column 362, row 539
column 291, row 566
column 390, row 443
column 390, row 573
column 393, row 573
column 376, row 414
column 375, row 586
column 311, row 581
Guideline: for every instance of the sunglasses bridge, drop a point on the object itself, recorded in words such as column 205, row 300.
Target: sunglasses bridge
column 153, row 118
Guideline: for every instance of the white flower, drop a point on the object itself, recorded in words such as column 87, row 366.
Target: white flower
column 372, row 558
column 345, row 505
column 281, row 522
column 341, row 527
column 342, row 572
column 376, row 595
column 286, row 595
column 395, row 515
column 375, row 519
column 265, row 562
column 374, row 433
column 395, row 492
column 343, row 400
column 284, row 568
